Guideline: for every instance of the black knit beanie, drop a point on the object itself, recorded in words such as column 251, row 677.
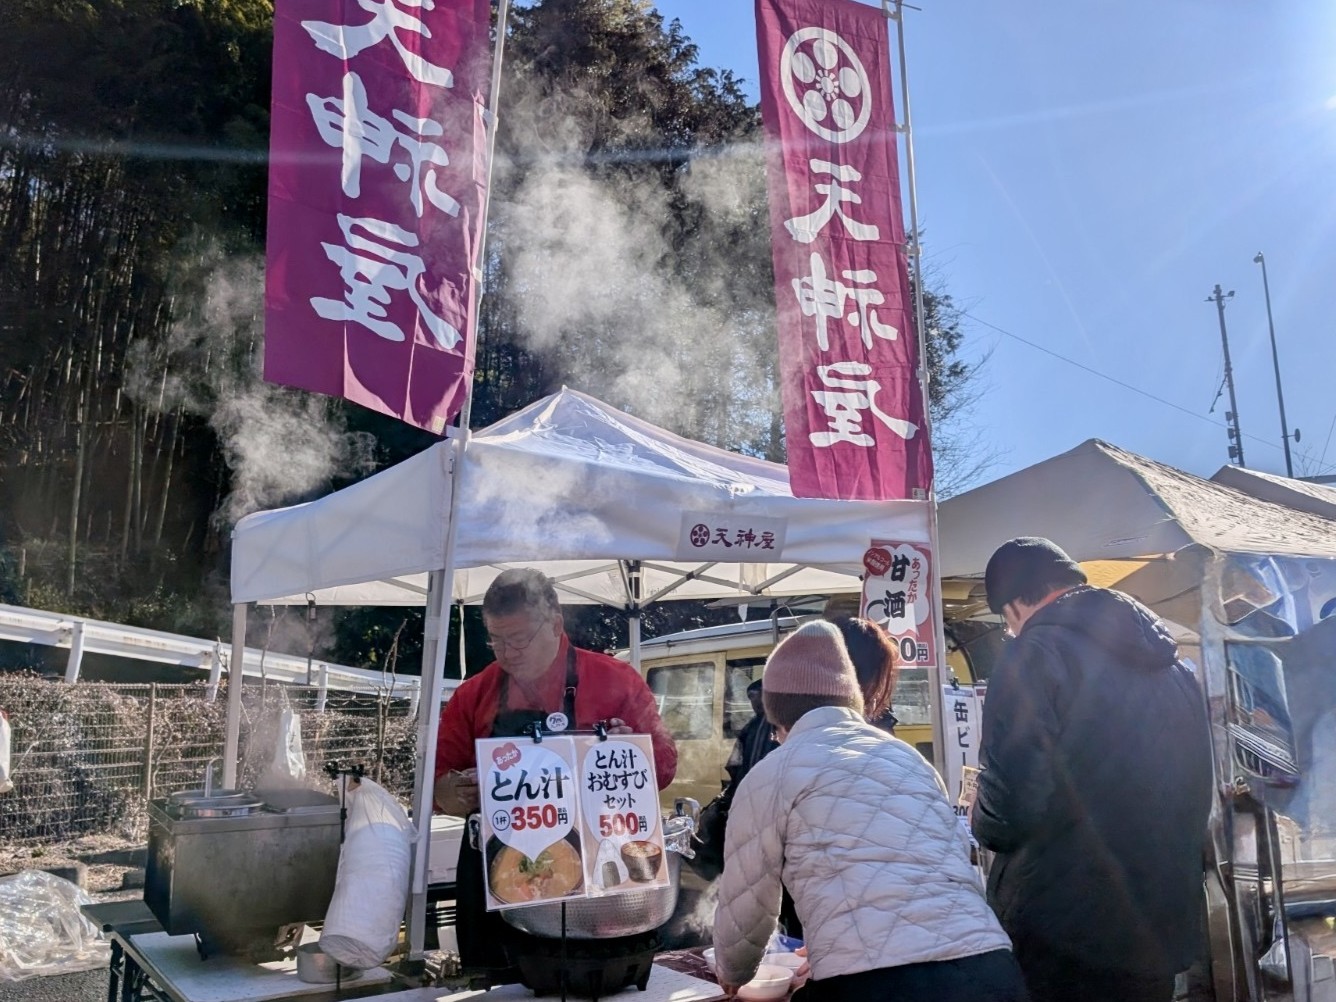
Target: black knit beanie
column 1024, row 564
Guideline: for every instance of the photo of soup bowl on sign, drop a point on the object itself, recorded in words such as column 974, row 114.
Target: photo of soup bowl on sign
column 517, row 879
column 642, row 860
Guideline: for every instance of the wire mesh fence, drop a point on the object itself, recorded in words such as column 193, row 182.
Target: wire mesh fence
column 87, row 758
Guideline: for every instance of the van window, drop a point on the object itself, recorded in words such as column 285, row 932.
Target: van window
column 909, row 703
column 737, row 707
column 685, row 695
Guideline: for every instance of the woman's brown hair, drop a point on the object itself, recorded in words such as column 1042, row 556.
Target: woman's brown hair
column 875, row 662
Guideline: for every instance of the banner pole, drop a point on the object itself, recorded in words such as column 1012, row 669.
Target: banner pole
column 480, row 266
column 936, row 668
column 436, row 624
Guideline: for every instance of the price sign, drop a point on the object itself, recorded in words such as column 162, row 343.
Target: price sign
column 619, row 807
column 530, row 816
column 962, row 717
column 897, row 593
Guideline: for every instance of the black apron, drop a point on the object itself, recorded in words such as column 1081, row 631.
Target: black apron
column 483, row 935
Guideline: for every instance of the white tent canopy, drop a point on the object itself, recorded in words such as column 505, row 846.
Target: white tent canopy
column 1099, row 502
column 609, row 505
column 580, row 490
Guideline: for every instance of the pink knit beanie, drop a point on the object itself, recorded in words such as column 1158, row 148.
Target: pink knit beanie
column 813, row 661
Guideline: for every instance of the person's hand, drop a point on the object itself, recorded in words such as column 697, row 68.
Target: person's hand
column 619, row 726
column 457, row 792
column 804, row 972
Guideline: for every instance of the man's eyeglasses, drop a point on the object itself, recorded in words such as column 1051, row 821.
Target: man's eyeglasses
column 498, row 644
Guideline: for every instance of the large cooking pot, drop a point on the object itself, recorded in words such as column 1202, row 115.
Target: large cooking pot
column 626, row 914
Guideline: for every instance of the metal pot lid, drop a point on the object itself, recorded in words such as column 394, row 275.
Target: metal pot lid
column 298, row 801
column 231, row 803
column 190, row 796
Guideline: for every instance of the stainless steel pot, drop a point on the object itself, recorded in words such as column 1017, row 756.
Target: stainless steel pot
column 213, row 804
column 316, row 967
column 626, row 914
column 234, row 868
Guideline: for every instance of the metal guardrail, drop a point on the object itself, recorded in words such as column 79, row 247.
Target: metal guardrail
column 81, row 635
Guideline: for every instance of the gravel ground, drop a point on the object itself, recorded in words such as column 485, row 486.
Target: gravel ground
column 90, row 986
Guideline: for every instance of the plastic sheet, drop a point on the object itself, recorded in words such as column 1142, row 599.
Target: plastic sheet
column 371, row 887
column 289, row 759
column 42, row 930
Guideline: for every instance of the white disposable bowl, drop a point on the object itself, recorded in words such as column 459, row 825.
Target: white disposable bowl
column 770, row 982
column 791, row 961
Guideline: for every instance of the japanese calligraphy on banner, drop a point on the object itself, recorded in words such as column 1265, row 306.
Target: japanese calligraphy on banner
column 897, row 593
column 962, row 712
column 709, row 536
column 568, row 817
column 853, row 404
column 376, row 201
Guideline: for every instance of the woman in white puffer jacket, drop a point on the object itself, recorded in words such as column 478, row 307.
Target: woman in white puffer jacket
column 857, row 826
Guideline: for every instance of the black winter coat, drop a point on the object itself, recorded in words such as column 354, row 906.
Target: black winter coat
column 1096, row 787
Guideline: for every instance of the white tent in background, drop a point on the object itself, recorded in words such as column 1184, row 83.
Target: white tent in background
column 603, row 502
column 1300, row 494
column 1102, row 503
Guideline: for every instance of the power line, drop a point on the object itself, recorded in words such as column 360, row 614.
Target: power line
column 1117, row 382
column 1328, row 441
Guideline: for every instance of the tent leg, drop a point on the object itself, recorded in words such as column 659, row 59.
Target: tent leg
column 435, row 634
column 236, row 666
column 635, row 582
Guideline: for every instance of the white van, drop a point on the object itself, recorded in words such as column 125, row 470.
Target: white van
column 700, row 679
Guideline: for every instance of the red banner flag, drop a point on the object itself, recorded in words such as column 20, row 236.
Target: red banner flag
column 853, row 404
column 377, row 193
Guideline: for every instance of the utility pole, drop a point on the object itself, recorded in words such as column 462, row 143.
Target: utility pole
column 1275, row 360
column 1232, row 415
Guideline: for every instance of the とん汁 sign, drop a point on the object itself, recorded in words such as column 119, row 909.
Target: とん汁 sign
column 568, row 817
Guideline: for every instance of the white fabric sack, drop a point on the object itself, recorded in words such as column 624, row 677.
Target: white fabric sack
column 6, row 777
column 371, row 888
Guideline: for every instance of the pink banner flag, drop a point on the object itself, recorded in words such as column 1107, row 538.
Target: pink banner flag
column 377, row 192
column 853, row 404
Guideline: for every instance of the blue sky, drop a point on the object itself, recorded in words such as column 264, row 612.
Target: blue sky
column 1087, row 172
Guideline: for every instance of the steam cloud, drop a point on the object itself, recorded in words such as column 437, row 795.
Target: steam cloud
column 674, row 326
column 279, row 444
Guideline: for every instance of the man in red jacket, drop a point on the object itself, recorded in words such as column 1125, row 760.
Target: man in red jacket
column 539, row 677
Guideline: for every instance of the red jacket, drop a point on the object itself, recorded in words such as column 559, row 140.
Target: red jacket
column 606, row 688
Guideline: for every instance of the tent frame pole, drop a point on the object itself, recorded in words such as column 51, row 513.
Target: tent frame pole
column 635, row 587
column 236, row 669
column 436, row 624
column 435, row 630
column 936, row 667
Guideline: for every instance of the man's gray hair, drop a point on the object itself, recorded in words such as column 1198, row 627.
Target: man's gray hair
column 521, row 589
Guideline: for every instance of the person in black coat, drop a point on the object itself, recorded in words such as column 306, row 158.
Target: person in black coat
column 1096, row 784
column 755, row 741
